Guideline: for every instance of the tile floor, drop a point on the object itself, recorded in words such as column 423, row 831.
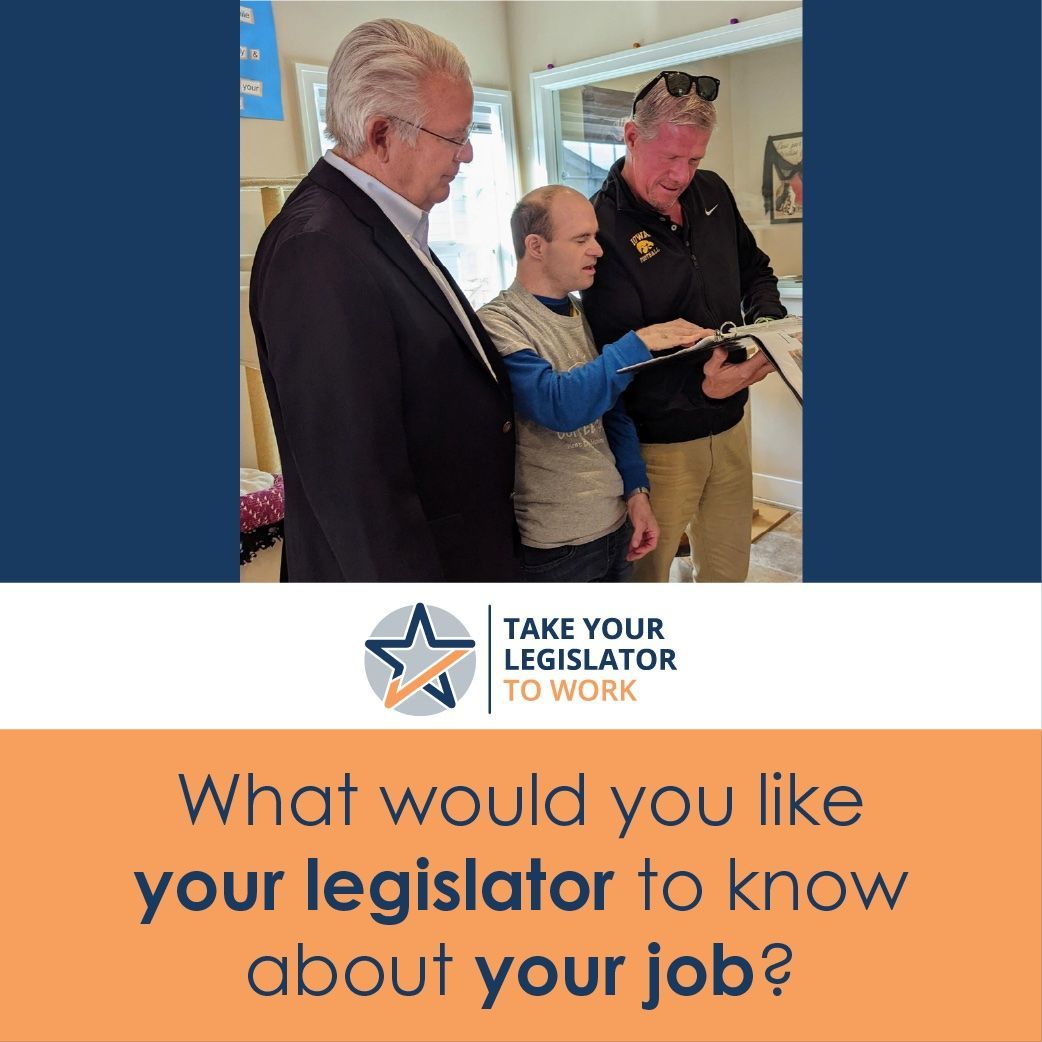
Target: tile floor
column 777, row 556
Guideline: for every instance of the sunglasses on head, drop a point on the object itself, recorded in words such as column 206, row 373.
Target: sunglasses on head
column 680, row 84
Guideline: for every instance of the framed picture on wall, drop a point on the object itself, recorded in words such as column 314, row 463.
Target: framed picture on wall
column 783, row 178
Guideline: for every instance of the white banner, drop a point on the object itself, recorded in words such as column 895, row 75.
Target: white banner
column 634, row 656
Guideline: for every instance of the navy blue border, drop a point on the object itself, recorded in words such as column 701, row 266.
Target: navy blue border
column 120, row 383
column 922, row 292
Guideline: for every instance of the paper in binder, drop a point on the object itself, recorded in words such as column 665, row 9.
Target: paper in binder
column 780, row 340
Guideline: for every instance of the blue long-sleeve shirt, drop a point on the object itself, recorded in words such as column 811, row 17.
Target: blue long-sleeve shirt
column 569, row 400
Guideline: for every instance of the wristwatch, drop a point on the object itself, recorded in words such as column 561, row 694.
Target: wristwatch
column 636, row 491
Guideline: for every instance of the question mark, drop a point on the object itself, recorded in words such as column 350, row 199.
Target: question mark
column 777, row 979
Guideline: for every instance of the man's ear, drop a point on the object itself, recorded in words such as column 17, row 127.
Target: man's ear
column 534, row 245
column 377, row 137
column 629, row 133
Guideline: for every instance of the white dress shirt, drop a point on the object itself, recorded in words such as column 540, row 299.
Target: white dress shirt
column 414, row 224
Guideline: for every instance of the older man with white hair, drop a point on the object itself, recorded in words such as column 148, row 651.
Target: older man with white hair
column 392, row 409
column 675, row 244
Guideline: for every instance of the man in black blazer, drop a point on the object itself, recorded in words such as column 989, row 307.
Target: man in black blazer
column 391, row 407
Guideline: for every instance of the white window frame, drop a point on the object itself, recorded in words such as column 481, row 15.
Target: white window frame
column 307, row 78
column 728, row 39
column 505, row 100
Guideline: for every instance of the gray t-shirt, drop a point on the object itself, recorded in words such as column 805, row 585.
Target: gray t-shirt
column 567, row 488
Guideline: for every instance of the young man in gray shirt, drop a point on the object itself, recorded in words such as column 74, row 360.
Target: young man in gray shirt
column 581, row 488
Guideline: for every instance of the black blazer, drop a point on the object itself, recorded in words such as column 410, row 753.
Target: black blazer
column 397, row 444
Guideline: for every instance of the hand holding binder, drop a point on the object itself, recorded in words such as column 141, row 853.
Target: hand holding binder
column 781, row 342
column 722, row 378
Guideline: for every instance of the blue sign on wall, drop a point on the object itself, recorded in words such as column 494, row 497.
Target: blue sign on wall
column 260, row 84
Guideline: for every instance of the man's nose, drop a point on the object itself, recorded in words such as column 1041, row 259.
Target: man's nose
column 595, row 249
column 466, row 153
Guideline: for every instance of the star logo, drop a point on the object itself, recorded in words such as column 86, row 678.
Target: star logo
column 420, row 660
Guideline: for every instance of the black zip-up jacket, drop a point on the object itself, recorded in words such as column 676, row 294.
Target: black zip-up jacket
column 709, row 271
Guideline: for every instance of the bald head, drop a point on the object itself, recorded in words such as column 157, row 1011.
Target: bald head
column 555, row 239
column 533, row 215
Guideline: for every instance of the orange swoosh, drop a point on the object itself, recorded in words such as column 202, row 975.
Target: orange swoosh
column 394, row 695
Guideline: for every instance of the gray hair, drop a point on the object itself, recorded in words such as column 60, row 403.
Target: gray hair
column 379, row 69
column 531, row 216
column 659, row 107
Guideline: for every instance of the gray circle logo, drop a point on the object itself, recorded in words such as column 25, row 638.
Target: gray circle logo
column 419, row 660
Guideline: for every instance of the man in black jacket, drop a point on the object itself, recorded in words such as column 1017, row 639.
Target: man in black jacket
column 391, row 407
column 675, row 244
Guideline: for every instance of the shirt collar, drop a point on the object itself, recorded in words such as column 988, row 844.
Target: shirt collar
column 409, row 219
column 626, row 198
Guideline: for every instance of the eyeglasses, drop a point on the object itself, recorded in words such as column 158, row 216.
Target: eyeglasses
column 460, row 145
column 679, row 84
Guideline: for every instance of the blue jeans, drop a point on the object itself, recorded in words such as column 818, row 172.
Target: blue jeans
column 600, row 561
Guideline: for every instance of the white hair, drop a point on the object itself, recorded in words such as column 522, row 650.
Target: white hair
column 659, row 107
column 379, row 69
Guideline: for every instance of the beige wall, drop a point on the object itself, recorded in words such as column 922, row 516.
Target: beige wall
column 777, row 443
column 768, row 93
column 503, row 42
column 774, row 78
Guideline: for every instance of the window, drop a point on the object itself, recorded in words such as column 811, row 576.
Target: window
column 470, row 231
column 590, row 138
column 311, row 86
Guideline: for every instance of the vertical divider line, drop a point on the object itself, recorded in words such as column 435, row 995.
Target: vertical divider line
column 490, row 660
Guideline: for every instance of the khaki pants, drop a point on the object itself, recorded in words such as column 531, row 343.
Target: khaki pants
column 705, row 486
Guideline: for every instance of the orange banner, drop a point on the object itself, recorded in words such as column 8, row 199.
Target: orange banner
column 493, row 885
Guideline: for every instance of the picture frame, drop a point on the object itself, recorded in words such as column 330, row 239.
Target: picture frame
column 783, row 178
